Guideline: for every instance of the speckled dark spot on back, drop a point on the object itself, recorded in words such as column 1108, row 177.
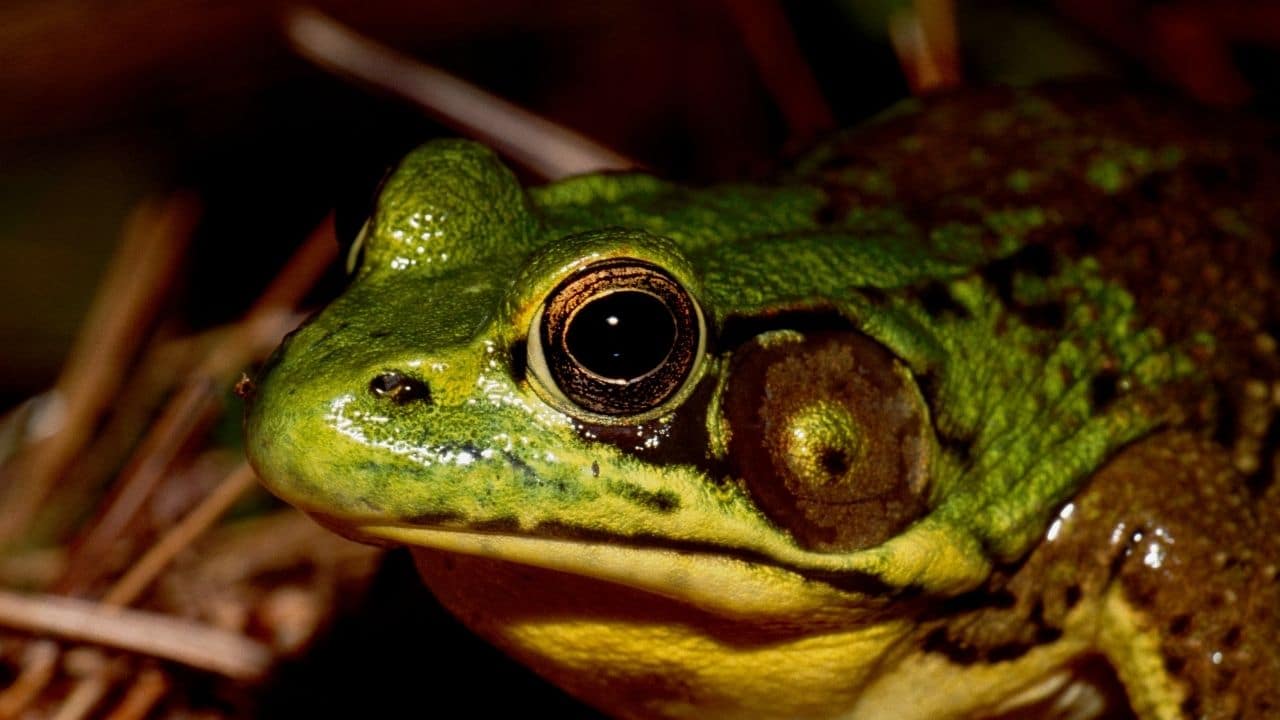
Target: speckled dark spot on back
column 1194, row 241
column 1103, row 389
column 939, row 303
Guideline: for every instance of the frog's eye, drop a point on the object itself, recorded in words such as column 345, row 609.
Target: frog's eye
column 619, row 339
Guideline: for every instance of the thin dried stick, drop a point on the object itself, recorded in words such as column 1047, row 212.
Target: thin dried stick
column 180, row 536
column 123, row 310
column 546, row 148
column 39, row 661
column 924, row 37
column 195, row 406
column 14, row 424
column 127, row 589
column 147, row 689
column 162, row 367
column 197, row 403
column 234, row 553
column 147, row 633
column 782, row 67
column 89, row 691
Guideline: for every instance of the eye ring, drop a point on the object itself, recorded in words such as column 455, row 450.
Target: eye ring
column 618, row 341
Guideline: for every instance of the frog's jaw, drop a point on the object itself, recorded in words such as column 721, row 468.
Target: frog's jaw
column 633, row 654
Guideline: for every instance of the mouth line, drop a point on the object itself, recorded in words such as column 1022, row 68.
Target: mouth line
column 705, row 576
column 559, row 546
column 849, row 581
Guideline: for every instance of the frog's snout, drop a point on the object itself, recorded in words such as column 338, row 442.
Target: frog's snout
column 400, row 388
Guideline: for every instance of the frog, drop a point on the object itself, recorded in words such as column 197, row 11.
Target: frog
column 971, row 412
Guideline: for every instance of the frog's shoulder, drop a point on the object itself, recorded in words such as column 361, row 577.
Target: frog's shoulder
column 1173, row 201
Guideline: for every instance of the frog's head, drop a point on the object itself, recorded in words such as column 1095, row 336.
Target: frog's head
column 705, row 399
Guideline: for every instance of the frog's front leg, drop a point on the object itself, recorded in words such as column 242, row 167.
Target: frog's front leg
column 1163, row 564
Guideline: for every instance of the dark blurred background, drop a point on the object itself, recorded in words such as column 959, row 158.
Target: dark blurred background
column 106, row 102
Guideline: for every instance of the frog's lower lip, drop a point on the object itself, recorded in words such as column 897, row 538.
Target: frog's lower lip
column 719, row 583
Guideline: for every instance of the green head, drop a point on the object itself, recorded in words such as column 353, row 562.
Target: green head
column 723, row 397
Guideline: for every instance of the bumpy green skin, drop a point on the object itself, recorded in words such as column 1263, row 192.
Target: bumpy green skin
column 436, row 287
column 962, row 236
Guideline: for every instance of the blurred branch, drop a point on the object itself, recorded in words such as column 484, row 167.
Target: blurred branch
column 39, row 661
column 925, row 39
column 546, row 148
column 148, row 633
column 197, row 403
column 128, row 300
column 157, row 558
column 767, row 34
column 147, row 690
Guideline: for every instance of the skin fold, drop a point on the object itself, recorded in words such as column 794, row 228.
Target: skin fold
column 979, row 396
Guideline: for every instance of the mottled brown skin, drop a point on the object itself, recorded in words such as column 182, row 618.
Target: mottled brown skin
column 1197, row 248
column 1215, row 587
column 1166, row 237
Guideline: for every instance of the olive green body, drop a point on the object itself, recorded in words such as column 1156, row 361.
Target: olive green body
column 978, row 396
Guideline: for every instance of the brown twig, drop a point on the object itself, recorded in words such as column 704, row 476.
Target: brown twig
column 123, row 310
column 94, row 684
column 196, row 404
column 180, row 536
column 782, row 67
column 147, row 689
column 546, row 148
column 147, row 633
column 39, row 661
column 128, row 588
column 164, row 365
column 924, row 37
column 14, row 423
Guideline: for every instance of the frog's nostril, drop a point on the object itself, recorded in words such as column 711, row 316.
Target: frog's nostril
column 399, row 388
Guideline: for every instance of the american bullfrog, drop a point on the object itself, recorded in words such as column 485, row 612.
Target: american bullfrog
column 970, row 414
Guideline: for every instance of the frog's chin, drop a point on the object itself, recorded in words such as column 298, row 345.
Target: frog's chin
column 718, row 583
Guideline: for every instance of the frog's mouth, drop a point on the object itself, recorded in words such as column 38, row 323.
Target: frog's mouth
column 718, row 582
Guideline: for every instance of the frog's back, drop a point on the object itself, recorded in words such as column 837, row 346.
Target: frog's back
column 986, row 387
column 1178, row 206
column 1177, row 203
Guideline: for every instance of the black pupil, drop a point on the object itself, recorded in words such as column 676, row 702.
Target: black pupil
column 622, row 335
